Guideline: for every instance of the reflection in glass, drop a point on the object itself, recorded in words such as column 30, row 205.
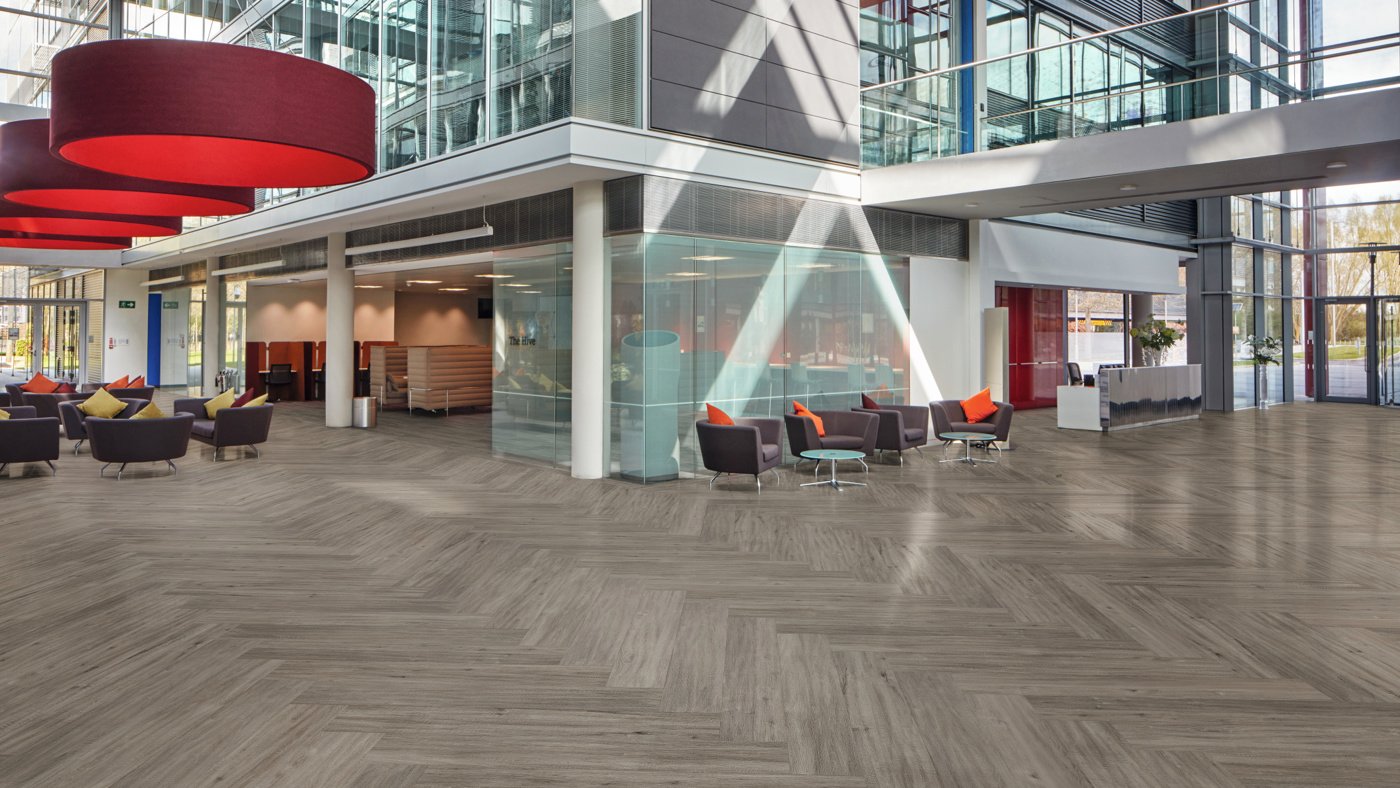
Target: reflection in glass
column 459, row 74
column 1241, row 328
column 533, row 42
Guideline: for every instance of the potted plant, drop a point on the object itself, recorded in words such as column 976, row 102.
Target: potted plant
column 1264, row 351
column 1156, row 338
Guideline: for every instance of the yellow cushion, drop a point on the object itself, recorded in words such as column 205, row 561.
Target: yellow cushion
column 4, row 414
column 102, row 405
column 149, row 412
column 219, row 403
column 262, row 400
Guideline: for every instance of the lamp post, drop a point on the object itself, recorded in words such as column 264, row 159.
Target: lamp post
column 1372, row 245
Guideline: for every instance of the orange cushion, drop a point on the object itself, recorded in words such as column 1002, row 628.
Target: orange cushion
column 718, row 417
column 798, row 408
column 138, row 382
column 979, row 406
column 119, row 383
column 39, row 385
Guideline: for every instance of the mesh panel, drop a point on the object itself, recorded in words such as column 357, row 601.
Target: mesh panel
column 607, row 59
column 192, row 273
column 530, row 220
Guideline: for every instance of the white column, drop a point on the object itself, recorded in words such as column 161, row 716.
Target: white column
column 340, row 333
column 591, row 378
column 213, row 340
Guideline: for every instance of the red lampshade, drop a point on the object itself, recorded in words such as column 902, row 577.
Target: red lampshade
column 30, row 175
column 45, row 221
column 36, row 241
column 218, row 114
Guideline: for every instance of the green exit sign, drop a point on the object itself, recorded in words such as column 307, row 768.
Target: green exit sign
column 170, row 304
column 126, row 305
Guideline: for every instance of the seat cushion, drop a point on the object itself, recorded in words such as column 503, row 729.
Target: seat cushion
column 771, row 451
column 204, row 428
column 913, row 434
column 962, row 426
column 843, row 442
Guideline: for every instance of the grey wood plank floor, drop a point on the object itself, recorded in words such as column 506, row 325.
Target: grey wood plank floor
column 1209, row 604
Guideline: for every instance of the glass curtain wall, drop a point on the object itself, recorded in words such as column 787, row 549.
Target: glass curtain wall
column 747, row 327
column 235, row 334
column 430, row 62
column 532, row 332
column 1263, row 282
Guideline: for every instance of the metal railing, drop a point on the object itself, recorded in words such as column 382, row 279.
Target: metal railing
column 1109, row 81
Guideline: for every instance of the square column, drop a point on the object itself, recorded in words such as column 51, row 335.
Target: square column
column 340, row 333
column 213, row 339
column 591, row 358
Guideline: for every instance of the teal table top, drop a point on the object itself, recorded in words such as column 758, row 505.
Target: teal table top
column 833, row 454
column 967, row 436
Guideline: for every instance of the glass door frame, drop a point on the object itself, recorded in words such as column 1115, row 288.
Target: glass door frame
column 1386, row 376
column 1323, row 387
column 37, row 315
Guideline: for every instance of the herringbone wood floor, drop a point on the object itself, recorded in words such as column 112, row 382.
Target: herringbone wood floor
column 1209, row 604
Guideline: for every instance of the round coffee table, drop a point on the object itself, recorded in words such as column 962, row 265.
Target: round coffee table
column 967, row 439
column 832, row 456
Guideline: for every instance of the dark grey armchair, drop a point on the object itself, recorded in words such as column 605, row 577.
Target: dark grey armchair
column 28, row 437
column 749, row 447
column 245, row 426
column 845, row 429
column 47, row 404
column 139, row 440
column 948, row 417
column 74, row 419
column 901, row 427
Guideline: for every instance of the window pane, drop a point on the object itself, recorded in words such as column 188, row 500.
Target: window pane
column 533, row 68
column 459, row 74
column 1242, row 269
column 1242, row 328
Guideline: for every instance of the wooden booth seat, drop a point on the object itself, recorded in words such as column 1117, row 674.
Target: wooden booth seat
column 388, row 376
column 449, row 376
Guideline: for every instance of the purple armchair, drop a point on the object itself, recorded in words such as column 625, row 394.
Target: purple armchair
column 845, row 429
column 948, row 417
column 749, row 447
column 901, row 427
column 139, row 440
column 245, row 426
column 27, row 437
column 75, row 421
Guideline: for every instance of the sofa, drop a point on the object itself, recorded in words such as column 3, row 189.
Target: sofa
column 245, row 426
column 28, row 437
column 844, row 430
column 74, row 419
column 900, row 427
column 948, row 417
column 126, row 441
column 748, row 446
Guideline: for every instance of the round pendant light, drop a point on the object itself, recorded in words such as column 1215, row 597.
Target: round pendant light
column 217, row 114
column 36, row 241
column 30, row 175
column 45, row 221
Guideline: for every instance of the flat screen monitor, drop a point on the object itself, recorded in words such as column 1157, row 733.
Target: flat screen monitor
column 485, row 309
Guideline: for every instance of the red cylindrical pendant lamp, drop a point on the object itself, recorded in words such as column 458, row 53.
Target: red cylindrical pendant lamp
column 45, row 221
column 30, row 175
column 217, row 114
column 35, row 241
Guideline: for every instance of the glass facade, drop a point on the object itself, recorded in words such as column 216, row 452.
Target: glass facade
column 450, row 75
column 532, row 332
column 747, row 327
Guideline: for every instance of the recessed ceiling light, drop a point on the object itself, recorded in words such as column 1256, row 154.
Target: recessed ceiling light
column 971, row 204
column 452, row 289
column 495, row 276
column 707, row 258
column 516, row 284
column 531, row 292
column 568, row 268
column 425, row 281
column 369, row 287
column 1128, row 187
column 816, row 265
column 1336, row 165
column 689, row 273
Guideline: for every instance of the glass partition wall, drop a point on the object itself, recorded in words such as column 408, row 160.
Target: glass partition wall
column 747, row 327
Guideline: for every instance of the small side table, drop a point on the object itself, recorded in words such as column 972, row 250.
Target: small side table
column 967, row 439
column 832, row 456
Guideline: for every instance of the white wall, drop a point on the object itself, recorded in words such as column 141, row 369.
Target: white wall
column 947, row 297
column 438, row 319
column 297, row 313
column 124, row 330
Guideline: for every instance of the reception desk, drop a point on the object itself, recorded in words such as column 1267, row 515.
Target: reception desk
column 1132, row 397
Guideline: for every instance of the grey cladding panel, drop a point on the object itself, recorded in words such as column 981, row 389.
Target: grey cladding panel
column 802, row 98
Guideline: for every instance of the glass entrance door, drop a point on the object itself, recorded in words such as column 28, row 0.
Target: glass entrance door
column 61, row 348
column 1346, row 335
column 1388, row 351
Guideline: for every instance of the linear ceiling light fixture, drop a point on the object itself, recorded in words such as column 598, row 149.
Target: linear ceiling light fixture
column 30, row 175
column 243, row 269
column 425, row 240
column 169, row 280
column 207, row 113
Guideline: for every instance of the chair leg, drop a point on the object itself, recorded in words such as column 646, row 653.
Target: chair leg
column 51, row 466
column 758, row 480
column 256, row 453
column 863, row 465
column 776, row 476
column 712, row 480
column 174, row 471
column 103, row 470
column 119, row 471
column 3, row 466
column 218, row 452
column 77, row 446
